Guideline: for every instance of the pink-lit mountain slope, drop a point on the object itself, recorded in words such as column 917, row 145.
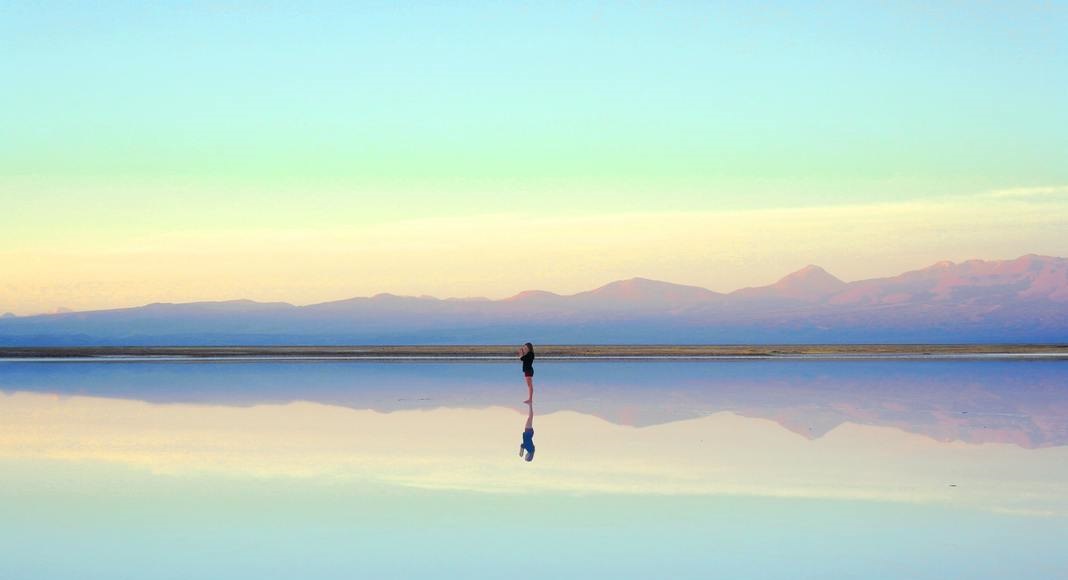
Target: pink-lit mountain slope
column 1020, row 300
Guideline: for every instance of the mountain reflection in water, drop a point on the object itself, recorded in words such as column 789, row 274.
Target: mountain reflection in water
column 769, row 469
column 1023, row 403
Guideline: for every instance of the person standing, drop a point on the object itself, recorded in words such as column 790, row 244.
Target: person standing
column 526, row 354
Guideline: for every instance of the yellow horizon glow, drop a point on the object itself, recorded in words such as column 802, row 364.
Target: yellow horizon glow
column 498, row 255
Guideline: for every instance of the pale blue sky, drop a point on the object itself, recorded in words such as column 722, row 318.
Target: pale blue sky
column 130, row 125
column 790, row 103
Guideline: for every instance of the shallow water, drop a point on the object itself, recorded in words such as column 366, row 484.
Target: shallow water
column 770, row 469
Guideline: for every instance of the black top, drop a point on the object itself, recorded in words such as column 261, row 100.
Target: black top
column 528, row 362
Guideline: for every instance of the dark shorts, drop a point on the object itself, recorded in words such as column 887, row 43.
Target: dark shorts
column 529, row 373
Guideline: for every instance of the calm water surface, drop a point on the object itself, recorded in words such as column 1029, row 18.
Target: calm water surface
column 747, row 469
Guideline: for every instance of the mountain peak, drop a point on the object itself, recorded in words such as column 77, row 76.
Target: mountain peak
column 1039, row 259
column 810, row 283
column 808, row 273
column 638, row 283
column 640, row 292
column 533, row 296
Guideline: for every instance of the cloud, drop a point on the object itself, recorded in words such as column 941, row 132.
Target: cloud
column 1030, row 192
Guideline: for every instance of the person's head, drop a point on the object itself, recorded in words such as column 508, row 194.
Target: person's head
column 529, row 347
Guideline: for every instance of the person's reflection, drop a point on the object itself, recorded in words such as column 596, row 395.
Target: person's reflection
column 526, row 448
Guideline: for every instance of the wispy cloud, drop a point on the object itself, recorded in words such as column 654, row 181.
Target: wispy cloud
column 1026, row 192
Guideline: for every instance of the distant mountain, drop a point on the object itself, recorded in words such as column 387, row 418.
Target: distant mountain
column 1021, row 300
column 995, row 283
column 809, row 284
column 641, row 295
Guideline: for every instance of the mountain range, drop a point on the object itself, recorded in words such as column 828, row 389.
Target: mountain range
column 1020, row 300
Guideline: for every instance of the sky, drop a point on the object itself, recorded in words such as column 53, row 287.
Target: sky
column 314, row 151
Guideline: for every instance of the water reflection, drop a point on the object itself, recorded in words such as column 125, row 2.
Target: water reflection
column 755, row 469
column 1022, row 403
column 526, row 448
column 724, row 452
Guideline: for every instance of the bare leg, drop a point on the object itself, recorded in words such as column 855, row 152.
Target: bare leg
column 530, row 389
